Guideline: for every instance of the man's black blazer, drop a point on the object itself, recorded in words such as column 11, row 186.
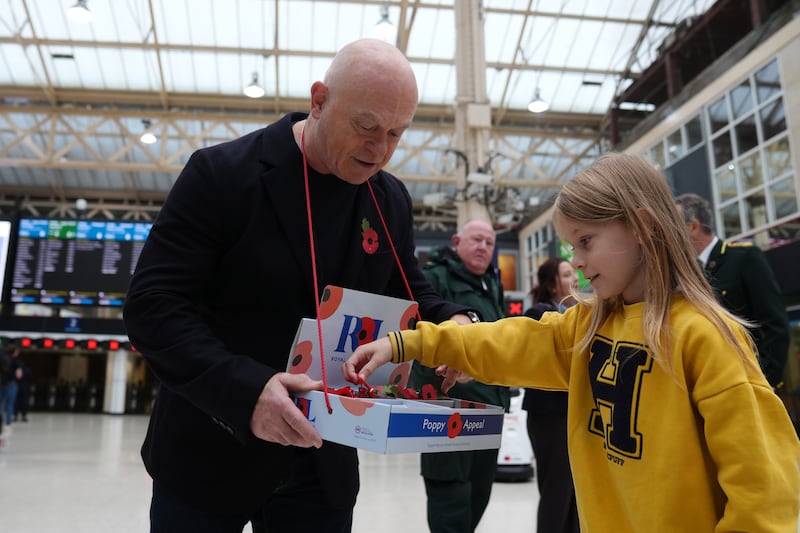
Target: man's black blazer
column 220, row 287
column 745, row 284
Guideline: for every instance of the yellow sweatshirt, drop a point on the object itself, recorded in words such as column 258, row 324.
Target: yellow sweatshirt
column 706, row 448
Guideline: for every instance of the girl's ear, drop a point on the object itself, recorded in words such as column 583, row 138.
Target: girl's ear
column 648, row 219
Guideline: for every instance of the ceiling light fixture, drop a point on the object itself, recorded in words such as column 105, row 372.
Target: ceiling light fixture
column 384, row 29
column 254, row 90
column 538, row 105
column 148, row 137
column 80, row 13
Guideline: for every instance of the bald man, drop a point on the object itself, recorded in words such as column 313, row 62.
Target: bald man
column 225, row 277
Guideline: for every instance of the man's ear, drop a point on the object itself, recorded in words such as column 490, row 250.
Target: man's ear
column 455, row 239
column 319, row 96
column 693, row 226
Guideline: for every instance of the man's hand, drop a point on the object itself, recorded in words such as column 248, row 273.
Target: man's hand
column 461, row 319
column 366, row 359
column 277, row 419
column 451, row 377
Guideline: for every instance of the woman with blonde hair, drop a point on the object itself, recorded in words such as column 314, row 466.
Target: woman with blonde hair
column 671, row 424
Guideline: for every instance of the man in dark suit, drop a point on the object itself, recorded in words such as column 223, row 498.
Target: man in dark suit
column 225, row 277
column 744, row 283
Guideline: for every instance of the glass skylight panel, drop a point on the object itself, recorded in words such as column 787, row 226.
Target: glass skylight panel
column 562, row 40
column 504, row 4
column 437, row 83
column 12, row 17
column 298, row 73
column 176, row 24
column 65, row 72
column 130, row 21
column 256, row 29
column 433, row 35
column 613, row 46
column 501, row 32
column 139, row 69
column 15, row 68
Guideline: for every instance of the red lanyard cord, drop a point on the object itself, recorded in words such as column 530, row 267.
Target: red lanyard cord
column 391, row 245
column 314, row 271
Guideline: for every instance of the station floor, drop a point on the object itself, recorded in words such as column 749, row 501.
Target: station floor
column 71, row 473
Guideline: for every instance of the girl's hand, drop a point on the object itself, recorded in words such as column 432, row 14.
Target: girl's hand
column 366, row 359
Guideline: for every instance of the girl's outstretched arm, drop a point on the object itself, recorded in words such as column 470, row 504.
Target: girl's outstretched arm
column 366, row 359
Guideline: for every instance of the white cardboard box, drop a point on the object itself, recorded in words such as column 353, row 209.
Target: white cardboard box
column 384, row 425
column 349, row 318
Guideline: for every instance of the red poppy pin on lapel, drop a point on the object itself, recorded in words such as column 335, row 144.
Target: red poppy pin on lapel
column 370, row 242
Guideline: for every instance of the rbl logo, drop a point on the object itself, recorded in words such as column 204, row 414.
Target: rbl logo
column 304, row 404
column 360, row 330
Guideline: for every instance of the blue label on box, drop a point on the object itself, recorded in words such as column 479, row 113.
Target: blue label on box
column 450, row 425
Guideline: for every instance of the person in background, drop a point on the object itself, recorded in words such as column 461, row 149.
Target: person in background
column 744, row 283
column 547, row 411
column 671, row 424
column 23, row 393
column 11, row 371
column 5, row 365
column 225, row 277
column 459, row 484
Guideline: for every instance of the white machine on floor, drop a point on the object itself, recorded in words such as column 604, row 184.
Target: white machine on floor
column 515, row 457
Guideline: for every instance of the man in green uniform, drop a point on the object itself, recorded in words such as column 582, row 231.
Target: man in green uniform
column 458, row 484
column 744, row 283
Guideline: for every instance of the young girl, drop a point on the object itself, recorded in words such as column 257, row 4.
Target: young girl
column 671, row 423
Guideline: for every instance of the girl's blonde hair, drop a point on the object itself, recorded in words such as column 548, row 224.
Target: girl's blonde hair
column 629, row 189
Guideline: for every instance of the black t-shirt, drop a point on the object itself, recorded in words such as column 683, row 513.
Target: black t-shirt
column 335, row 221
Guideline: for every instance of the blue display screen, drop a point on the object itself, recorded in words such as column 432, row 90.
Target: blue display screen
column 75, row 262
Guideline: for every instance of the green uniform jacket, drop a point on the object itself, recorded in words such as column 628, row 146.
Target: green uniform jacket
column 456, row 284
column 746, row 286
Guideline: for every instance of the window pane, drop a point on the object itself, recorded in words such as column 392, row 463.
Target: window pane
column 723, row 152
column 773, row 119
column 657, row 153
column 784, row 197
column 750, row 168
column 768, row 81
column 675, row 146
column 746, row 135
column 730, row 220
column 694, row 132
column 718, row 115
column 777, row 158
column 742, row 99
column 756, row 206
column 726, row 182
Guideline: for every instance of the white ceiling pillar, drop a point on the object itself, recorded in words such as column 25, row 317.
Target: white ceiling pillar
column 472, row 111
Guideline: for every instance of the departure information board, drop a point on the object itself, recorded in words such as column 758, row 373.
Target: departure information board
column 75, row 262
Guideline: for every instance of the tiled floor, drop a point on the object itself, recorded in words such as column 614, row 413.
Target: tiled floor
column 71, row 473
